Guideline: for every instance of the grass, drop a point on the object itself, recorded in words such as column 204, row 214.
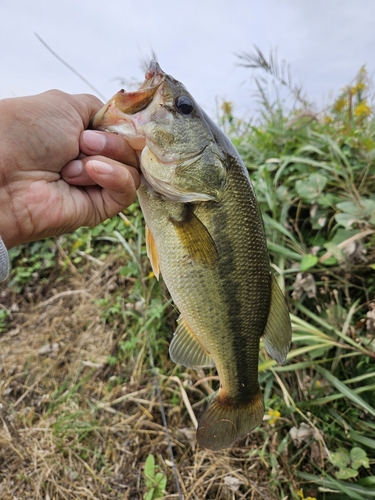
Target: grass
column 80, row 388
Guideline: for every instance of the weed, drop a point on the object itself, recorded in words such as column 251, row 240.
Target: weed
column 4, row 320
column 156, row 482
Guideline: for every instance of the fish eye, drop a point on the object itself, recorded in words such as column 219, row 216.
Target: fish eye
column 184, row 105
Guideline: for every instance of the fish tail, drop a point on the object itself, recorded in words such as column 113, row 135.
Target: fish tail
column 224, row 421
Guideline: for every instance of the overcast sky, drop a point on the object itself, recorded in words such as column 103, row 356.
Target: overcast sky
column 324, row 41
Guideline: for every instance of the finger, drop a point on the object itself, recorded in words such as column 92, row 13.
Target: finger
column 75, row 172
column 93, row 142
column 86, row 105
column 110, row 174
column 119, row 186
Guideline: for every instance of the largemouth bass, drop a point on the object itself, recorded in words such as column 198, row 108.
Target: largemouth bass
column 205, row 236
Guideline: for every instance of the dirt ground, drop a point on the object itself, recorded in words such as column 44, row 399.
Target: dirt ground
column 74, row 425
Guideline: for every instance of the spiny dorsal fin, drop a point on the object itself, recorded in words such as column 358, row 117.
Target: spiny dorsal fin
column 185, row 349
column 196, row 238
column 277, row 335
column 152, row 253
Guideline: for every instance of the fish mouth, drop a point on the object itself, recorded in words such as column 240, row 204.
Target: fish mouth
column 129, row 103
column 154, row 75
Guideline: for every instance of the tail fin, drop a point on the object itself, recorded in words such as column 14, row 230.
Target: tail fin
column 223, row 423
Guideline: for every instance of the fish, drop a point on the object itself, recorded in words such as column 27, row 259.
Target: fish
column 205, row 236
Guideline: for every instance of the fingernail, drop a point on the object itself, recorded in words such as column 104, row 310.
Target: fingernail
column 73, row 169
column 94, row 141
column 100, row 167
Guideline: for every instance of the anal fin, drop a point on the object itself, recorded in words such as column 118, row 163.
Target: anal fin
column 277, row 335
column 185, row 349
column 152, row 252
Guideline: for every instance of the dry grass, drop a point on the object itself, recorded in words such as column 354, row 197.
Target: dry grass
column 71, row 427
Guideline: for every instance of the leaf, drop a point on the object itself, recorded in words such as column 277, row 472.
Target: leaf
column 284, row 251
column 340, row 458
column 346, row 473
column 337, row 253
column 302, row 434
column 150, row 468
column 161, row 479
column 149, row 495
column 345, row 220
column 365, row 208
column 342, row 235
column 359, row 458
column 308, row 261
column 312, row 188
column 269, row 221
column 233, row 482
column 348, row 489
column 367, row 481
column 353, row 212
column 331, row 261
column 362, row 439
column 346, row 391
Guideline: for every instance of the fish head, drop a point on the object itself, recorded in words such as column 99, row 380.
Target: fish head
column 181, row 150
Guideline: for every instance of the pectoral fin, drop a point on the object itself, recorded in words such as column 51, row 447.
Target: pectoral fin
column 185, row 349
column 277, row 335
column 152, row 253
column 195, row 237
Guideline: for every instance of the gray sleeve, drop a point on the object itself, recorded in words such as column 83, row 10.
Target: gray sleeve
column 4, row 261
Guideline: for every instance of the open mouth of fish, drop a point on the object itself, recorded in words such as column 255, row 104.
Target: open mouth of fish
column 123, row 104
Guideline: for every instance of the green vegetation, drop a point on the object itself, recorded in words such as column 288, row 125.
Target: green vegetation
column 92, row 293
column 155, row 481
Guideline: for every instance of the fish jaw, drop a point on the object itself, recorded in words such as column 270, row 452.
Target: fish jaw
column 122, row 113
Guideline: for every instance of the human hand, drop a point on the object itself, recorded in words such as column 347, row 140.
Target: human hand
column 47, row 186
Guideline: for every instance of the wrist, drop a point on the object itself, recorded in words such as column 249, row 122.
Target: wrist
column 8, row 167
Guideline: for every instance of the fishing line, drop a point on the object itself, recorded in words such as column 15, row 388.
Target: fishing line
column 102, row 97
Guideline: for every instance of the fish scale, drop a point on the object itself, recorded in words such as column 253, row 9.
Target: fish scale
column 205, row 235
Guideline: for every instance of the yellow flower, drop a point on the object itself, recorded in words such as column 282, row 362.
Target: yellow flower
column 275, row 415
column 302, row 496
column 227, row 107
column 340, row 104
column 362, row 110
column 359, row 87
